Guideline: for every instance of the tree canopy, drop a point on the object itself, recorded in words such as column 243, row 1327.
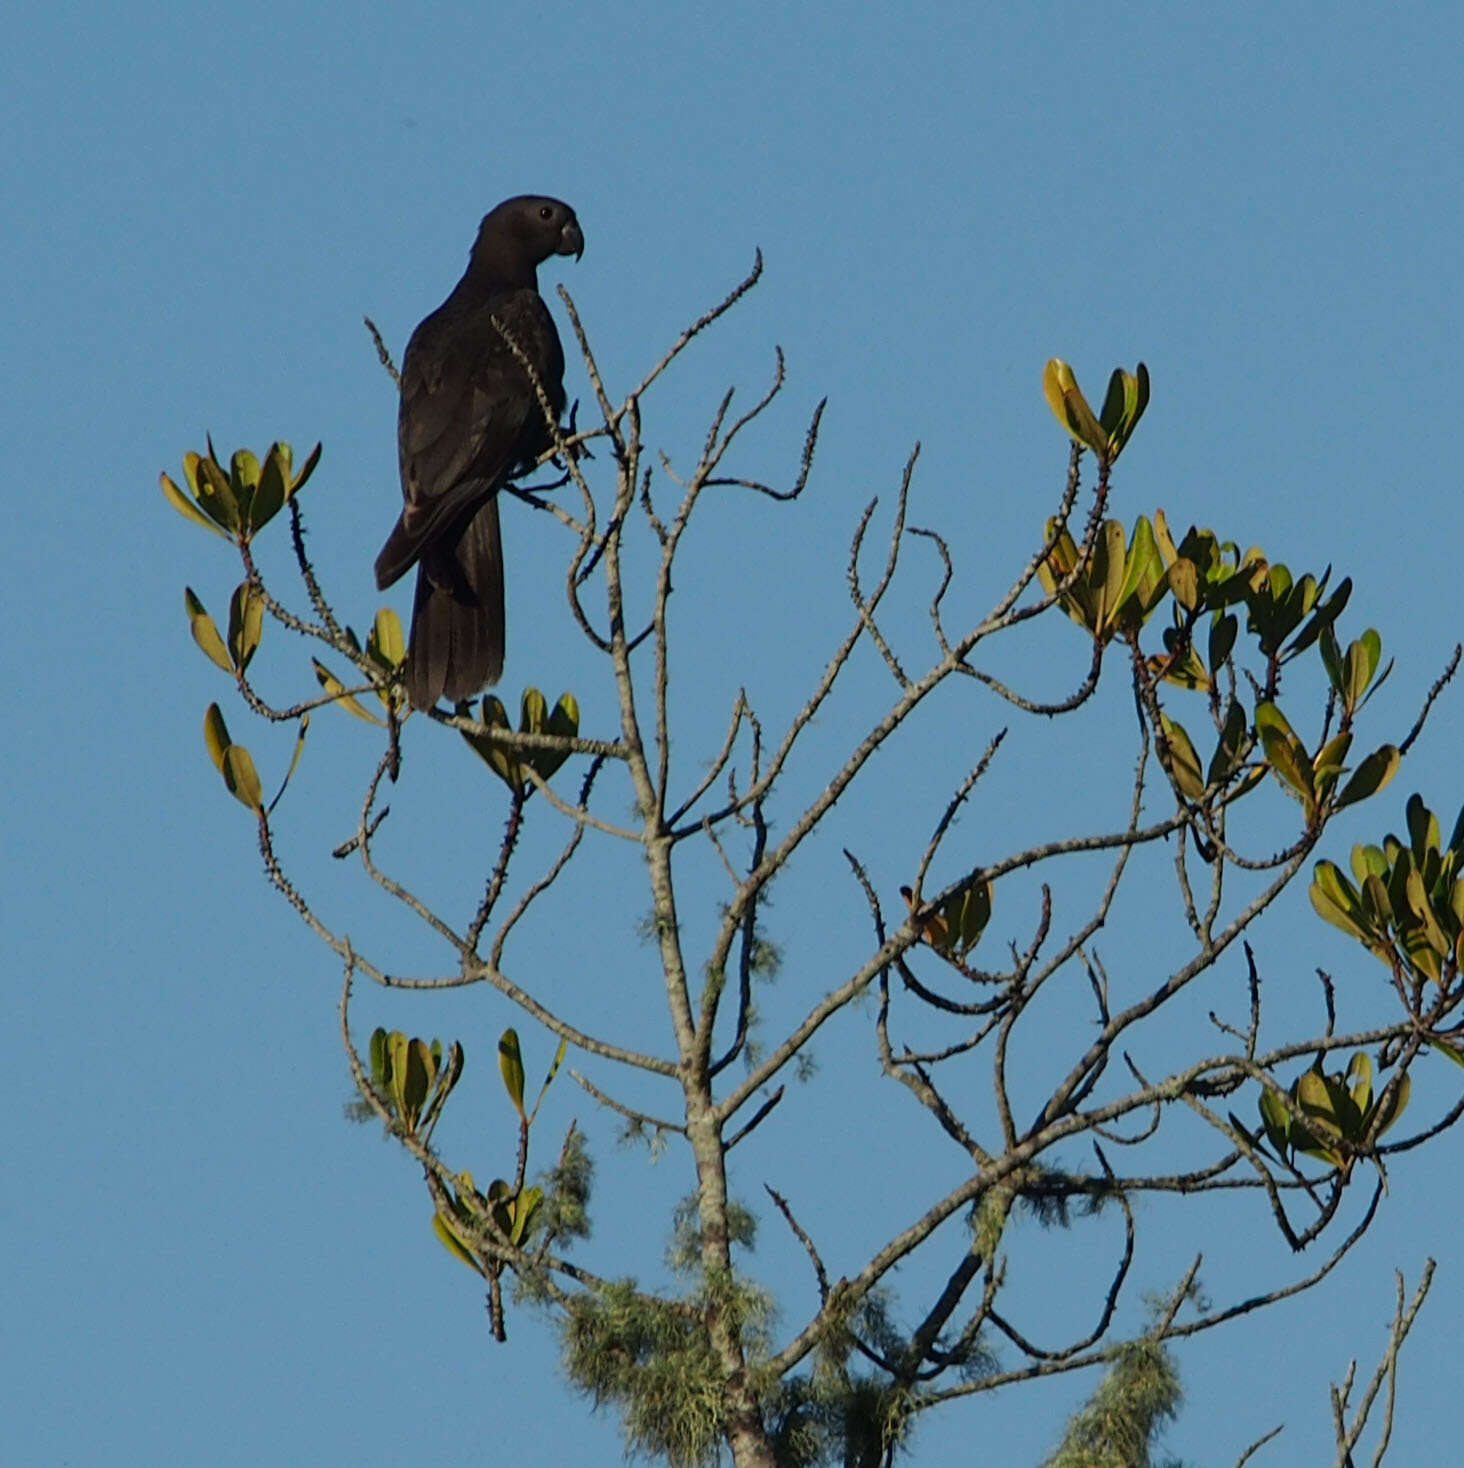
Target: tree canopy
column 1084, row 1107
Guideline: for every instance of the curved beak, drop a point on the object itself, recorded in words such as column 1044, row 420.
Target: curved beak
column 571, row 240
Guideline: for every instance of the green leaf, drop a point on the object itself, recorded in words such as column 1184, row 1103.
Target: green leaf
column 1423, row 828
column 447, row 1072
column 294, row 760
column 1179, row 758
column 548, row 1079
column 1363, row 657
column 525, row 1206
column 1123, row 406
column 298, row 482
column 563, row 722
column 416, row 1081
column 1376, row 902
column 501, row 760
column 1184, row 583
column 1285, row 753
column 337, row 690
column 1314, row 1097
column 385, row 642
column 533, row 712
column 1144, row 579
column 243, row 481
column 246, row 624
column 1226, row 759
column 185, row 506
column 447, row 1234
column 273, row 487
column 1318, row 1101
column 215, row 735
column 1057, row 566
column 1070, row 407
column 1223, row 632
column 205, row 632
column 1370, row 776
column 397, row 1046
column 380, row 1060
column 1106, row 576
column 1329, row 762
column 215, row 494
column 1276, row 1120
column 1323, row 618
column 1359, row 1082
column 1390, row 1106
column 1336, row 900
column 241, row 779
column 1332, row 660
column 511, row 1064
column 1111, row 413
column 1428, row 925
column 1368, row 861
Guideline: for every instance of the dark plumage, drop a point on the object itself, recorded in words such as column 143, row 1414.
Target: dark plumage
column 471, row 420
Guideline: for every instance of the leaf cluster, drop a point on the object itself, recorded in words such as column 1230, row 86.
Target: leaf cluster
column 241, row 500
column 1405, row 901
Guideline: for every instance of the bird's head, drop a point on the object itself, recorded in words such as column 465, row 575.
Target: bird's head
column 531, row 228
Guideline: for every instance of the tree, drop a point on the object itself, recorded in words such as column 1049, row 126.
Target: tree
column 1167, row 1089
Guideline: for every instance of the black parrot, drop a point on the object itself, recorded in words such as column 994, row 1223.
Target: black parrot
column 471, row 420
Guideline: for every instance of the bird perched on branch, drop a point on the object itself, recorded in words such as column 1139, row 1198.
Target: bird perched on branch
column 471, row 419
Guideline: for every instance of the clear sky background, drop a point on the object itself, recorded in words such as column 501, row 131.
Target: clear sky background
column 203, row 1262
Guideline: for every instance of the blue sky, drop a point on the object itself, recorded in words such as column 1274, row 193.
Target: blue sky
column 205, row 1263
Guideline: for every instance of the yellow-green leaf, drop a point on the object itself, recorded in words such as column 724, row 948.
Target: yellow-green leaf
column 553, row 1071
column 1371, row 775
column 525, row 1206
column 511, row 1064
column 1276, row 1120
column 501, row 760
column 385, row 642
column 1392, row 1102
column 1070, row 407
column 215, row 735
column 205, row 631
column 337, row 690
column 563, row 721
column 417, row 1076
column 1329, row 762
column 246, row 623
column 1184, row 582
column 243, row 481
column 1285, row 753
column 380, row 1059
column 215, row 495
column 273, row 487
column 1361, row 662
column 447, row 1234
column 241, row 778
column 1106, row 574
column 298, row 482
column 185, row 506
column 1181, row 760
column 1359, row 1081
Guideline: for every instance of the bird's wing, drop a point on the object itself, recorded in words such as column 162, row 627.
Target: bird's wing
column 464, row 405
column 470, row 417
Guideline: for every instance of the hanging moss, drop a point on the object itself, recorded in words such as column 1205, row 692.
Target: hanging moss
column 1117, row 1426
column 653, row 1360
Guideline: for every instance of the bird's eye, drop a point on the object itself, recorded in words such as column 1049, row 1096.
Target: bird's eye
column 546, row 211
